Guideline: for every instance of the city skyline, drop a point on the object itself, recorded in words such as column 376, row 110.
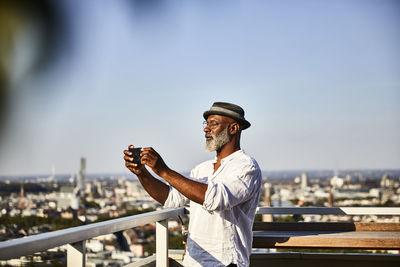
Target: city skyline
column 318, row 81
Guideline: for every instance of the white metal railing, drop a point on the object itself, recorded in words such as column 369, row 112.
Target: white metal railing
column 75, row 237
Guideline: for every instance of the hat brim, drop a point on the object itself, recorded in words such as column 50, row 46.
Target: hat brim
column 245, row 124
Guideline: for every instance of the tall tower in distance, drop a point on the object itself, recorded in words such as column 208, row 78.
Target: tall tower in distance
column 267, row 202
column 330, row 197
column 304, row 182
column 82, row 177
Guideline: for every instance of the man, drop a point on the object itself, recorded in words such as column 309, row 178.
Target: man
column 223, row 193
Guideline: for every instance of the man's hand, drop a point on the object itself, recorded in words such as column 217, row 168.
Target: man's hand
column 156, row 188
column 152, row 159
column 137, row 169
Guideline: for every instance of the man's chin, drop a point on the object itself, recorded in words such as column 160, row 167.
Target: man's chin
column 210, row 148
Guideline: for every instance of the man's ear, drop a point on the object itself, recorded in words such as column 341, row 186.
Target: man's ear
column 234, row 128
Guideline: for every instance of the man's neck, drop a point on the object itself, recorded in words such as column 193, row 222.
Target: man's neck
column 226, row 151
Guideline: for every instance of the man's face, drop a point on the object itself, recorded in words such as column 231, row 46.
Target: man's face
column 216, row 132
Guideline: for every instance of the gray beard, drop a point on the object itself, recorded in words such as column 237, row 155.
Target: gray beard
column 218, row 141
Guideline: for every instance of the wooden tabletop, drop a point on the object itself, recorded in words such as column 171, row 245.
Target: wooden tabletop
column 327, row 239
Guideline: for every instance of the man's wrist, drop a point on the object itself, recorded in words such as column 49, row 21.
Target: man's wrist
column 165, row 173
column 143, row 173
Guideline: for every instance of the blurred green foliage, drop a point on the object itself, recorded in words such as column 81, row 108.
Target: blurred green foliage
column 26, row 222
column 174, row 242
column 8, row 189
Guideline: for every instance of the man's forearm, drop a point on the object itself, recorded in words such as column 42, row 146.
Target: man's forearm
column 156, row 188
column 193, row 190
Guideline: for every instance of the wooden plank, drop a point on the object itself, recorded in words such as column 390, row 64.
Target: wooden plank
column 325, row 226
column 324, row 239
column 330, row 210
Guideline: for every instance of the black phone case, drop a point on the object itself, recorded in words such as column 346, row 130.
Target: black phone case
column 136, row 154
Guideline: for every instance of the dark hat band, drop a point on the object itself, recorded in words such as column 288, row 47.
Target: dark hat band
column 226, row 111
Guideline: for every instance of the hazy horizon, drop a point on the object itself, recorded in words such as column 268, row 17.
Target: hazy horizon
column 187, row 173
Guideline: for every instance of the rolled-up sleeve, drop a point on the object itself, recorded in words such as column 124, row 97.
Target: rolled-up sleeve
column 233, row 190
column 175, row 199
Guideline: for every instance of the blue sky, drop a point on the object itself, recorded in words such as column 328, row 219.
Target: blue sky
column 319, row 81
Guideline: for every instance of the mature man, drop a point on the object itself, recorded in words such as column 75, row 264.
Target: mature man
column 223, row 192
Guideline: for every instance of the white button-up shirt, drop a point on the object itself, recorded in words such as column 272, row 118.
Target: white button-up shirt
column 220, row 230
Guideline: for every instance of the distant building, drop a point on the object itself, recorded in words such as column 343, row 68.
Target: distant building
column 348, row 179
column 330, row 197
column 137, row 250
column 66, row 198
column 337, row 182
column 89, row 190
column 82, row 177
column 267, row 202
column 386, row 182
column 99, row 189
column 304, row 182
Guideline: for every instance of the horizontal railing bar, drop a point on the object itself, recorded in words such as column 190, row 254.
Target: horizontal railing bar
column 27, row 245
column 329, row 210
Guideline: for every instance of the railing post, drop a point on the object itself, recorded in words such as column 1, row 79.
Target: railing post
column 162, row 244
column 76, row 254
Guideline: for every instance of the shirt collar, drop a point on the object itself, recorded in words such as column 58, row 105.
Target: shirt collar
column 230, row 156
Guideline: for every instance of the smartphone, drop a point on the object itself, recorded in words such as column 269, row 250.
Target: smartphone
column 136, row 154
